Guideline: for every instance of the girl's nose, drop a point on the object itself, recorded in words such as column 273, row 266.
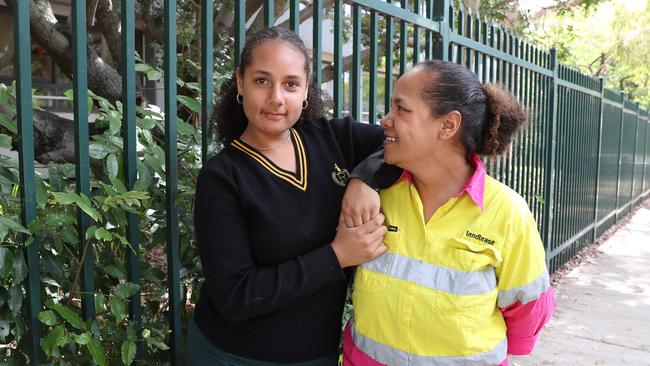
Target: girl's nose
column 386, row 121
column 275, row 95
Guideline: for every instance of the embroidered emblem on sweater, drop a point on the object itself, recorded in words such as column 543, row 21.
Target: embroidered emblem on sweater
column 479, row 237
column 340, row 176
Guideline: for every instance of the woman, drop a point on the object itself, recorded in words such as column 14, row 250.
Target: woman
column 464, row 280
column 266, row 215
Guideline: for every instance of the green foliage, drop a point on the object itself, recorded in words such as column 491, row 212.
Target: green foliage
column 609, row 39
column 109, row 338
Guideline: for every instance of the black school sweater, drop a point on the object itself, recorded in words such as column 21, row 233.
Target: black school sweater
column 274, row 289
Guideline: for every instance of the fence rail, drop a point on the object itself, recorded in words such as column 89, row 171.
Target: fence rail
column 582, row 163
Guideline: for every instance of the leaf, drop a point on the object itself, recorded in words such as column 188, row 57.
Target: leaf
column 141, row 67
column 98, row 151
column 5, row 141
column 157, row 343
column 83, row 202
column 128, row 352
column 3, row 255
column 5, row 327
column 69, row 315
column 12, row 223
column 114, row 122
column 8, row 123
column 192, row 104
column 41, row 193
column 115, row 271
column 153, row 74
column 118, row 308
column 19, row 267
column 126, row 290
column 51, row 341
column 111, row 166
column 97, row 352
column 15, row 299
column 83, row 338
column 103, row 234
column 185, row 129
column 48, row 317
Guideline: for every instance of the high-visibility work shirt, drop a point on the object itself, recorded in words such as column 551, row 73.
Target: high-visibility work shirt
column 447, row 291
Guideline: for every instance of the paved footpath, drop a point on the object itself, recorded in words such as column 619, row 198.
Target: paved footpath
column 603, row 307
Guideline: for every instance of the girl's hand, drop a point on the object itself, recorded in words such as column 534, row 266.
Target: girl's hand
column 360, row 204
column 357, row 245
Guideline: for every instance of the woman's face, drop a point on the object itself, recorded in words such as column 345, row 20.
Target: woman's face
column 411, row 132
column 273, row 87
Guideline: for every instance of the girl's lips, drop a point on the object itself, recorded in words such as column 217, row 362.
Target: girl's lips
column 274, row 116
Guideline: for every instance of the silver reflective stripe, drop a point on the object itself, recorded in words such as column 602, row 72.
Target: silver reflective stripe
column 434, row 277
column 526, row 293
column 393, row 357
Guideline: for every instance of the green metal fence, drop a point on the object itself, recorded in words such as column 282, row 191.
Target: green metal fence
column 582, row 163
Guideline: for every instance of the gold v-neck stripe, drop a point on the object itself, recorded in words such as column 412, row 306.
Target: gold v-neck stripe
column 271, row 167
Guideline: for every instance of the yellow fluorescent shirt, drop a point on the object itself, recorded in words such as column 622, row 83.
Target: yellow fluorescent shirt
column 438, row 290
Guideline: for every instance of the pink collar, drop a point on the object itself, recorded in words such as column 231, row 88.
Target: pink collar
column 475, row 186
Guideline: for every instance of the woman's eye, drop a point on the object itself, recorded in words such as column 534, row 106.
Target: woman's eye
column 261, row 81
column 292, row 84
column 400, row 109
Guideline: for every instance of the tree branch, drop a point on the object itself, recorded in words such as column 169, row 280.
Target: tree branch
column 109, row 23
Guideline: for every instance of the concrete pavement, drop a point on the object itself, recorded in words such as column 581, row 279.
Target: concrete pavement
column 603, row 305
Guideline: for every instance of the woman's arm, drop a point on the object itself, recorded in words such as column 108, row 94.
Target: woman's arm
column 362, row 144
column 526, row 298
column 238, row 287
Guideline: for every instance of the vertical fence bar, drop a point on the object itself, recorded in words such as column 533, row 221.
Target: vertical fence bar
column 269, row 13
column 372, row 87
column 240, row 29
column 549, row 173
column 403, row 41
column 441, row 12
column 82, row 160
column 207, row 66
column 317, row 55
column 294, row 16
column 620, row 158
column 636, row 139
column 129, row 159
column 388, row 81
column 416, row 35
column 357, row 73
column 171, row 179
column 338, row 58
column 25, row 122
column 429, row 35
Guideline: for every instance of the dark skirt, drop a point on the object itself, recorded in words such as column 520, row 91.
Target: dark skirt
column 200, row 351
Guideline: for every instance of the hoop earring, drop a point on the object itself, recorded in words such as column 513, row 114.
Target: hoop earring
column 240, row 98
column 305, row 103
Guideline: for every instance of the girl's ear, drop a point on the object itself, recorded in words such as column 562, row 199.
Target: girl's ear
column 450, row 125
column 240, row 80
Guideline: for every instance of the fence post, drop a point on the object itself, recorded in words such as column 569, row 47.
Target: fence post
column 207, row 66
column 130, row 159
column 442, row 13
column 601, row 87
column 549, row 173
column 636, row 138
column 24, row 119
column 620, row 158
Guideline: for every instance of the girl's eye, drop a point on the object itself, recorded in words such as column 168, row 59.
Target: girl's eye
column 292, row 84
column 400, row 109
column 261, row 81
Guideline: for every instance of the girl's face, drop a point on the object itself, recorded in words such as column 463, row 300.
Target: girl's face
column 273, row 88
column 411, row 132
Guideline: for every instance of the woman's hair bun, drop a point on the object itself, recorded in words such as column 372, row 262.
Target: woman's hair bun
column 504, row 116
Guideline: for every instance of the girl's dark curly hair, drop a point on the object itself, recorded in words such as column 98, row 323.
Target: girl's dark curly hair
column 229, row 118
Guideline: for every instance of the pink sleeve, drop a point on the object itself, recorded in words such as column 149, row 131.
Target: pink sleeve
column 524, row 321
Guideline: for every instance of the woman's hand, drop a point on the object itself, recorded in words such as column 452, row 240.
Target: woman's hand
column 360, row 204
column 357, row 245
